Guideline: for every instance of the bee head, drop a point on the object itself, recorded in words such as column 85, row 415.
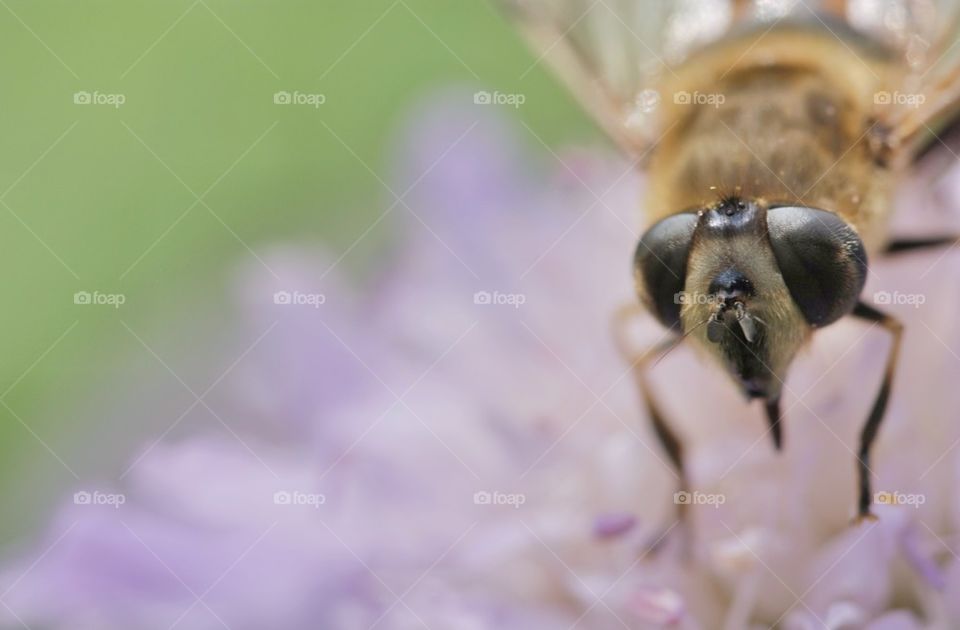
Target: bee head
column 748, row 282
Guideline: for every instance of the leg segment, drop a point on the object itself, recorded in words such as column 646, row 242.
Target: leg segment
column 872, row 425
column 640, row 363
column 913, row 244
column 773, row 417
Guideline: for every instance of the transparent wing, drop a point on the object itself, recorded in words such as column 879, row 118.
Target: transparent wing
column 610, row 53
column 613, row 54
column 925, row 100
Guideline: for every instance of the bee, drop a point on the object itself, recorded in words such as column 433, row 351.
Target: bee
column 773, row 134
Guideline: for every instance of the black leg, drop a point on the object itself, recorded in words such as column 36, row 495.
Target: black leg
column 666, row 436
column 900, row 246
column 872, row 426
column 640, row 363
column 668, row 439
column 773, row 417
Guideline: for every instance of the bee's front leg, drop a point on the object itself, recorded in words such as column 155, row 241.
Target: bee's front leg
column 774, row 418
column 872, row 426
column 639, row 363
column 900, row 246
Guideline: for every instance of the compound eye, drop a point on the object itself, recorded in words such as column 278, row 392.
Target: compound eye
column 821, row 259
column 660, row 265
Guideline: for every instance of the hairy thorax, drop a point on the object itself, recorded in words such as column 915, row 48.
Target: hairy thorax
column 785, row 118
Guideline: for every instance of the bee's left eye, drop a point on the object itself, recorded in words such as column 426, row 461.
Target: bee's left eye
column 821, row 259
column 660, row 265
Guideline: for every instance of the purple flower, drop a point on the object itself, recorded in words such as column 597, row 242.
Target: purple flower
column 450, row 439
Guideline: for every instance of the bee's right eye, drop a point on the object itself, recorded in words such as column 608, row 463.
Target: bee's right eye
column 660, row 265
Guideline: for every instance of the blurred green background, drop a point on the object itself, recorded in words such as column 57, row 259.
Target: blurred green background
column 102, row 198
